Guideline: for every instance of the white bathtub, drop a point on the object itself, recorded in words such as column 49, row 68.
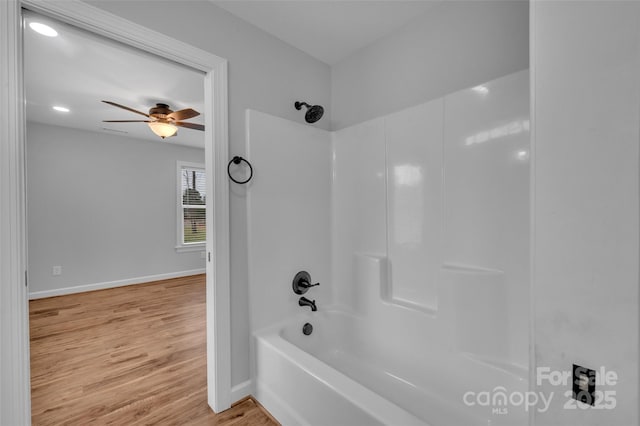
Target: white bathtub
column 332, row 377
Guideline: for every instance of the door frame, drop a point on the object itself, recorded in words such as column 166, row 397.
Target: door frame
column 15, row 395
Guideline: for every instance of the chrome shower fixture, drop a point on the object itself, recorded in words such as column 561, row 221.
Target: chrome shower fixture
column 314, row 112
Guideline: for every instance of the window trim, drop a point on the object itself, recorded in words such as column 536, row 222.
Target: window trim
column 182, row 247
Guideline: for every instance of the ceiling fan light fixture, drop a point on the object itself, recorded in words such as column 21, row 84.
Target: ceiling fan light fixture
column 162, row 129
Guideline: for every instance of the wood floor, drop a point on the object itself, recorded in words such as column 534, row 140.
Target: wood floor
column 126, row 356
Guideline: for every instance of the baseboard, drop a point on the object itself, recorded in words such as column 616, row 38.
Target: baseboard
column 240, row 391
column 112, row 284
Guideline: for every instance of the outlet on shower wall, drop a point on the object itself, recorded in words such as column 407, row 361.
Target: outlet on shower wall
column 56, row 270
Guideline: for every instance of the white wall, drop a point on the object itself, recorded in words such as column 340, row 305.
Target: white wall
column 586, row 91
column 289, row 216
column 103, row 207
column 264, row 74
column 453, row 46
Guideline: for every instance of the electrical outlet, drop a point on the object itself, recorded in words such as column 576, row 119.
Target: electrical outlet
column 584, row 384
column 57, row 270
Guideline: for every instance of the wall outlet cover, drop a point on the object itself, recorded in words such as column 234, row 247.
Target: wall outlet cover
column 584, row 384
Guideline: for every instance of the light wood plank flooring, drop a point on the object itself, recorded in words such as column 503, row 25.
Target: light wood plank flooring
column 126, row 356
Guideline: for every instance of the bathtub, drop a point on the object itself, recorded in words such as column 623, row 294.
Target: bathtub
column 333, row 377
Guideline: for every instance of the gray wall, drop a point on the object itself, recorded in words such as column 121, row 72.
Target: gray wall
column 456, row 45
column 102, row 206
column 265, row 74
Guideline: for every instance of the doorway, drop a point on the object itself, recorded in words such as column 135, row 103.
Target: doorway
column 15, row 408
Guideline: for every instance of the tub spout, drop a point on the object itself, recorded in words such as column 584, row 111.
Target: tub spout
column 306, row 302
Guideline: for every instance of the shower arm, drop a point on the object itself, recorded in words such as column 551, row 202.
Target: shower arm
column 299, row 105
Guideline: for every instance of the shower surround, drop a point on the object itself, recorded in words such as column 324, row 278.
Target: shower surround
column 416, row 224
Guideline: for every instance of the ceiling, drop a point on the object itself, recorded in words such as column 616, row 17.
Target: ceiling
column 328, row 30
column 77, row 70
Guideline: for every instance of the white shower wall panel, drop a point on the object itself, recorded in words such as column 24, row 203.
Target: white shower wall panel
column 289, row 219
column 486, row 202
column 439, row 193
column 414, row 148
column 359, row 203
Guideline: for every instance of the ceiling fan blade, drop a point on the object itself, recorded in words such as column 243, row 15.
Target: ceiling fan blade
column 125, row 107
column 184, row 114
column 126, row 121
column 189, row 125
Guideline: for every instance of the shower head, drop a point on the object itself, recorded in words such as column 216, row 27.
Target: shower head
column 314, row 113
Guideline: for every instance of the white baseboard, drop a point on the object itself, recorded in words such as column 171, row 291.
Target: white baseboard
column 241, row 390
column 112, row 284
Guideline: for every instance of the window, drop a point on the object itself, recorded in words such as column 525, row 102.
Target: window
column 192, row 206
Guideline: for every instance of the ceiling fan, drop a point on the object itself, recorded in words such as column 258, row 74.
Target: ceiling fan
column 162, row 120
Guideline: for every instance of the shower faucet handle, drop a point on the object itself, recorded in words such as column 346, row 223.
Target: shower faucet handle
column 302, row 282
column 305, row 284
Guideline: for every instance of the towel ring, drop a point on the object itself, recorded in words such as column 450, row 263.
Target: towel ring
column 238, row 160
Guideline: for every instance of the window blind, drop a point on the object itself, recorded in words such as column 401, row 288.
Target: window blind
column 194, row 205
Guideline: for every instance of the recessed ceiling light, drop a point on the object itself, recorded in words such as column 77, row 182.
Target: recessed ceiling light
column 43, row 29
column 483, row 90
column 61, row 108
column 522, row 155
